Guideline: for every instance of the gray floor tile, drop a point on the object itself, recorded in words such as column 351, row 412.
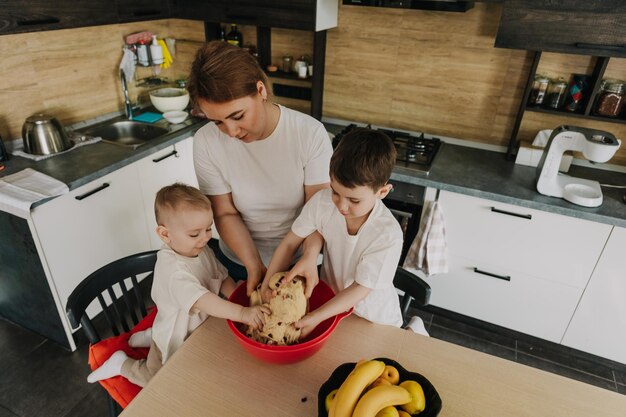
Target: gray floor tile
column 565, row 371
column 566, row 356
column 4, row 412
column 16, row 341
column 426, row 316
column 621, row 389
column 620, row 374
column 486, row 333
column 470, row 341
column 94, row 404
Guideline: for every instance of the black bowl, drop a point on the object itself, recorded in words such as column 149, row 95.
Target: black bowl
column 433, row 400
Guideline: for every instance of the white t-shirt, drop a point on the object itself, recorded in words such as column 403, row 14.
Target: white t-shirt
column 179, row 281
column 266, row 177
column 370, row 257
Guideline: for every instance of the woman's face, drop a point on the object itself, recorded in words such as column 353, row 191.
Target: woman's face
column 244, row 118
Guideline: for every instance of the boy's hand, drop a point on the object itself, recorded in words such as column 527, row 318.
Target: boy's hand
column 306, row 325
column 253, row 316
column 255, row 275
column 306, row 268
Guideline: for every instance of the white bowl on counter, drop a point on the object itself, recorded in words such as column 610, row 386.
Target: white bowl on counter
column 169, row 99
column 175, row 116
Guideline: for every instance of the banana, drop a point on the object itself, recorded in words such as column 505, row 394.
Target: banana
column 418, row 400
column 380, row 397
column 363, row 374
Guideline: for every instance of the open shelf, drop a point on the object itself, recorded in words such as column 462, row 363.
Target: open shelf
column 575, row 114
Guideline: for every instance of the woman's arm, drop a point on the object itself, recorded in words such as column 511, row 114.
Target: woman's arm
column 237, row 237
column 281, row 260
column 341, row 302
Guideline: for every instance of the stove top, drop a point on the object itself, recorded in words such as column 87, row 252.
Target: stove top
column 414, row 152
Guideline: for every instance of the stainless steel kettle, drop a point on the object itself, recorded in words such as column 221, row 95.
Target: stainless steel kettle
column 44, row 135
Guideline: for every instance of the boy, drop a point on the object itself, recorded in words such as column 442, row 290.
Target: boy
column 187, row 281
column 362, row 239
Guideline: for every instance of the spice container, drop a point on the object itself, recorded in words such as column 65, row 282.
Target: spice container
column 287, row 63
column 610, row 99
column 538, row 91
column 555, row 95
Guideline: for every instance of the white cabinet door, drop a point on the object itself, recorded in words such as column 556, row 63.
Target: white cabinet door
column 91, row 226
column 550, row 246
column 599, row 323
column 165, row 167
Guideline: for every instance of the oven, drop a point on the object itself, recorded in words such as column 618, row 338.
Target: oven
column 405, row 202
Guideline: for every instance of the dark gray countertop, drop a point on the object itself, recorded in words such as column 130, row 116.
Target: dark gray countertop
column 487, row 174
column 475, row 172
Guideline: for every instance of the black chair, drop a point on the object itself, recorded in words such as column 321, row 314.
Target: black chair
column 128, row 305
column 414, row 288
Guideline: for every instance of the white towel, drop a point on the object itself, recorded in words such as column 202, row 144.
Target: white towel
column 20, row 190
column 429, row 251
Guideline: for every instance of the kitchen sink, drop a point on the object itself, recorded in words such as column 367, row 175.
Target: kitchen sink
column 127, row 133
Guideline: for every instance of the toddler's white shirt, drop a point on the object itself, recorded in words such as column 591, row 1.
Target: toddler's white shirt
column 179, row 281
column 266, row 177
column 370, row 257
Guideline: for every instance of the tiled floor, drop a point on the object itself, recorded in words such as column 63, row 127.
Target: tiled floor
column 39, row 378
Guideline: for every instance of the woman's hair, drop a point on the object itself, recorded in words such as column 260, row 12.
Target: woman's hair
column 363, row 157
column 222, row 72
column 172, row 197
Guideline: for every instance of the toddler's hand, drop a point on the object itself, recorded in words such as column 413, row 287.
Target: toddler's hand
column 253, row 316
column 306, row 325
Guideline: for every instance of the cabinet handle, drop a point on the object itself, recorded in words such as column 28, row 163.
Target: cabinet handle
column 95, row 190
column 510, row 213
column 173, row 153
column 42, row 21
column 502, row 277
column 617, row 48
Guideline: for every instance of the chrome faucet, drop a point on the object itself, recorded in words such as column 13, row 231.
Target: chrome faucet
column 128, row 106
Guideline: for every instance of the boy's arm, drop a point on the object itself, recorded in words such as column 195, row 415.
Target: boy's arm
column 214, row 305
column 341, row 302
column 281, row 259
column 307, row 264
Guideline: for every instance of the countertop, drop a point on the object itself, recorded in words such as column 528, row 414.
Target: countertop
column 465, row 170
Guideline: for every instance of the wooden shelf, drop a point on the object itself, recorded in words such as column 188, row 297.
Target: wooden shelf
column 575, row 114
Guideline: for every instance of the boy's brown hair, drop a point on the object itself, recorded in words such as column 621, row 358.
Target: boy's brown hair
column 363, row 157
column 222, row 72
column 172, row 197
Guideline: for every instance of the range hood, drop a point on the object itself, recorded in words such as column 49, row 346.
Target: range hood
column 438, row 5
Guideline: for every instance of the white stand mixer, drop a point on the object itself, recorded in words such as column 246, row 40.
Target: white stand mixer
column 595, row 145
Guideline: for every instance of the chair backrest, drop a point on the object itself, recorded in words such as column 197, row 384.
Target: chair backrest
column 414, row 288
column 125, row 303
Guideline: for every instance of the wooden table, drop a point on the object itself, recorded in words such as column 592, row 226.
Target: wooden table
column 211, row 375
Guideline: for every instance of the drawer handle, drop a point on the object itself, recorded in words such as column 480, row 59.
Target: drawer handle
column 42, row 21
column 510, row 213
column 92, row 192
column 173, row 153
column 502, row 277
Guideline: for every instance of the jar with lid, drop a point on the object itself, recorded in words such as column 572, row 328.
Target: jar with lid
column 610, row 99
column 538, row 91
column 555, row 95
column 287, row 63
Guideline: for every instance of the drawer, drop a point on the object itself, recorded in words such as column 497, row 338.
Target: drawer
column 523, row 303
column 557, row 248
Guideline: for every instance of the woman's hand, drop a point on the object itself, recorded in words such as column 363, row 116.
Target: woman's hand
column 255, row 275
column 253, row 316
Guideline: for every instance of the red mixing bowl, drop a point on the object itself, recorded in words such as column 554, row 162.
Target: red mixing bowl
column 294, row 353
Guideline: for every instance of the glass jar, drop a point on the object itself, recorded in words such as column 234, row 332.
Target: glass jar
column 538, row 90
column 555, row 95
column 287, row 63
column 610, row 99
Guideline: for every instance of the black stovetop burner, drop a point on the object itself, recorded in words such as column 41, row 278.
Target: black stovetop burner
column 414, row 152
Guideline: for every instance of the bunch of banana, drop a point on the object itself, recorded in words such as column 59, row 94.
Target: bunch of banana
column 373, row 389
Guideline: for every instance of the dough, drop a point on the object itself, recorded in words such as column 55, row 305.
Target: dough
column 289, row 306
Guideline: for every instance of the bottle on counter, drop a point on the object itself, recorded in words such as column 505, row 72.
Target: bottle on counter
column 555, row 95
column 610, row 99
column 234, row 37
column 221, row 33
column 142, row 54
column 156, row 52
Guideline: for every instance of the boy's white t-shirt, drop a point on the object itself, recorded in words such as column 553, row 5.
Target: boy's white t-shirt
column 266, row 177
column 370, row 257
column 179, row 281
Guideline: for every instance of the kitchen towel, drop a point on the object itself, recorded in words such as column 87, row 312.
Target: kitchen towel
column 429, row 250
column 20, row 190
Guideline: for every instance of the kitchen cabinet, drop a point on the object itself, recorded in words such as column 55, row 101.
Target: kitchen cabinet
column 585, row 108
column 89, row 227
column 167, row 166
column 516, row 267
column 139, row 10
column 35, row 15
column 313, row 15
column 588, row 27
column 598, row 324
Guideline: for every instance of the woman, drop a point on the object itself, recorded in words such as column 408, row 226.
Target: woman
column 257, row 161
